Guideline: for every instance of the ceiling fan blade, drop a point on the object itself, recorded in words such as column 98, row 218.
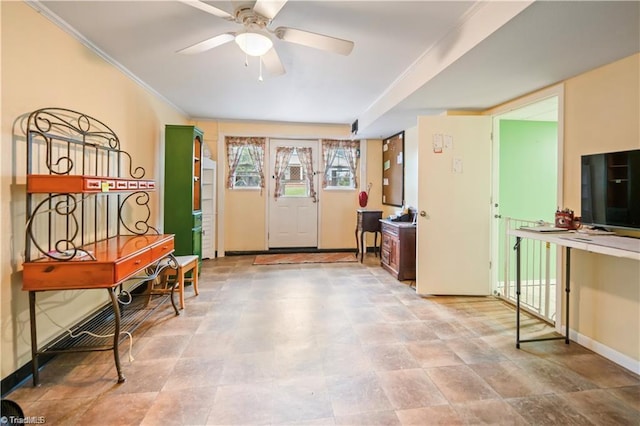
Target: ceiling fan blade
column 272, row 62
column 317, row 41
column 269, row 8
column 207, row 44
column 207, row 8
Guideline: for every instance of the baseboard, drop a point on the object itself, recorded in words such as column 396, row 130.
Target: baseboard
column 621, row 359
column 23, row 373
column 286, row 250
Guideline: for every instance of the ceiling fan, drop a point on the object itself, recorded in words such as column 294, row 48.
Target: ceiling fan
column 255, row 38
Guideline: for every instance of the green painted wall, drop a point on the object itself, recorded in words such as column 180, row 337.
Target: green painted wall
column 528, row 183
column 528, row 169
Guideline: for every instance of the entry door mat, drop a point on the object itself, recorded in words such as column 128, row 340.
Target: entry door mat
column 293, row 258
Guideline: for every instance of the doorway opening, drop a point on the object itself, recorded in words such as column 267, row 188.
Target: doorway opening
column 527, row 189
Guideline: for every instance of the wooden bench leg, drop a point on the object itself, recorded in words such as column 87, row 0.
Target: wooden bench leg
column 195, row 278
column 182, row 271
column 181, row 284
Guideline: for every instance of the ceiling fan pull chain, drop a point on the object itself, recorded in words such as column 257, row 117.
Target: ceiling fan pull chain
column 246, row 60
column 260, row 76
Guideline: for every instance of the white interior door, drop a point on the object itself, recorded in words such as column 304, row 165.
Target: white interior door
column 293, row 203
column 454, row 187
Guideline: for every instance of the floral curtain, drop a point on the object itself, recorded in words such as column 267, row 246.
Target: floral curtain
column 283, row 156
column 255, row 147
column 330, row 150
column 306, row 159
column 256, row 152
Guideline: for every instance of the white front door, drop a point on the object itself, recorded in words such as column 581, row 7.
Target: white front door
column 454, row 187
column 293, row 185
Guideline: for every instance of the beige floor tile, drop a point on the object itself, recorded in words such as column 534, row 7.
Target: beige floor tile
column 602, row 408
column 556, row 377
column 118, row 409
column 474, row 350
column 628, row 394
column 489, row 412
column 509, row 380
column 460, row 383
column 358, row 394
column 181, row 407
column 434, row 353
column 443, row 415
column 547, row 410
column 300, row 399
column 390, row 357
column 597, row 370
column 410, row 389
column 375, row 418
column 242, row 404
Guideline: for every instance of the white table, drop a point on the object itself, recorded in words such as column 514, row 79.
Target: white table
column 611, row 245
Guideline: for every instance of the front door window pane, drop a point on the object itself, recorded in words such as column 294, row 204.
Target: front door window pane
column 295, row 181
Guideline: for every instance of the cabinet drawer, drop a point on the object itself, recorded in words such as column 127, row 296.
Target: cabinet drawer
column 131, row 265
column 386, row 242
column 369, row 220
column 390, row 229
column 56, row 275
column 161, row 250
column 385, row 256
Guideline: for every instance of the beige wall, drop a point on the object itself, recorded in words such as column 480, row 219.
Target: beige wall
column 42, row 66
column 242, row 213
column 411, row 166
column 373, row 177
column 602, row 113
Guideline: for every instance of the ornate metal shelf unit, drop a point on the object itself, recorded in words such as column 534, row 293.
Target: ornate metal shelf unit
column 88, row 227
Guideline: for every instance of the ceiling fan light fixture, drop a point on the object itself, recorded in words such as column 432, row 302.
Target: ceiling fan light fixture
column 254, row 43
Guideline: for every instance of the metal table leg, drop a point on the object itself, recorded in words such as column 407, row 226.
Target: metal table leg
column 34, row 338
column 116, row 333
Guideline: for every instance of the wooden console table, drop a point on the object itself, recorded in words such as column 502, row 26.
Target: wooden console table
column 610, row 245
column 368, row 221
column 117, row 259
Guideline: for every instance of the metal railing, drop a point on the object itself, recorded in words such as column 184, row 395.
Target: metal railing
column 538, row 271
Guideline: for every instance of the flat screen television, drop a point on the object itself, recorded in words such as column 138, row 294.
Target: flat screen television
column 610, row 190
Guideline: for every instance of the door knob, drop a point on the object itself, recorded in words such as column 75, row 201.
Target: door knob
column 497, row 216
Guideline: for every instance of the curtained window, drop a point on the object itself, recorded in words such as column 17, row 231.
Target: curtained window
column 245, row 158
column 340, row 161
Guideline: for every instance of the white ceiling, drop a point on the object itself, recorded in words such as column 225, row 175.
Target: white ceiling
column 410, row 58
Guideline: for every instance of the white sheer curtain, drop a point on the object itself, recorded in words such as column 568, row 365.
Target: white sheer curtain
column 330, row 150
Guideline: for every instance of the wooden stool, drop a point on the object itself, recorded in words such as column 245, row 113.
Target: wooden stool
column 185, row 264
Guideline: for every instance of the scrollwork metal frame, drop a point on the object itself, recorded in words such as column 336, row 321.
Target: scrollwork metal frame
column 63, row 142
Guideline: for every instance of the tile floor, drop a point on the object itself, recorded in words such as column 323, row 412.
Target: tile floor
column 333, row 344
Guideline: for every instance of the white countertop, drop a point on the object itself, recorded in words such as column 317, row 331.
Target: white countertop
column 612, row 245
